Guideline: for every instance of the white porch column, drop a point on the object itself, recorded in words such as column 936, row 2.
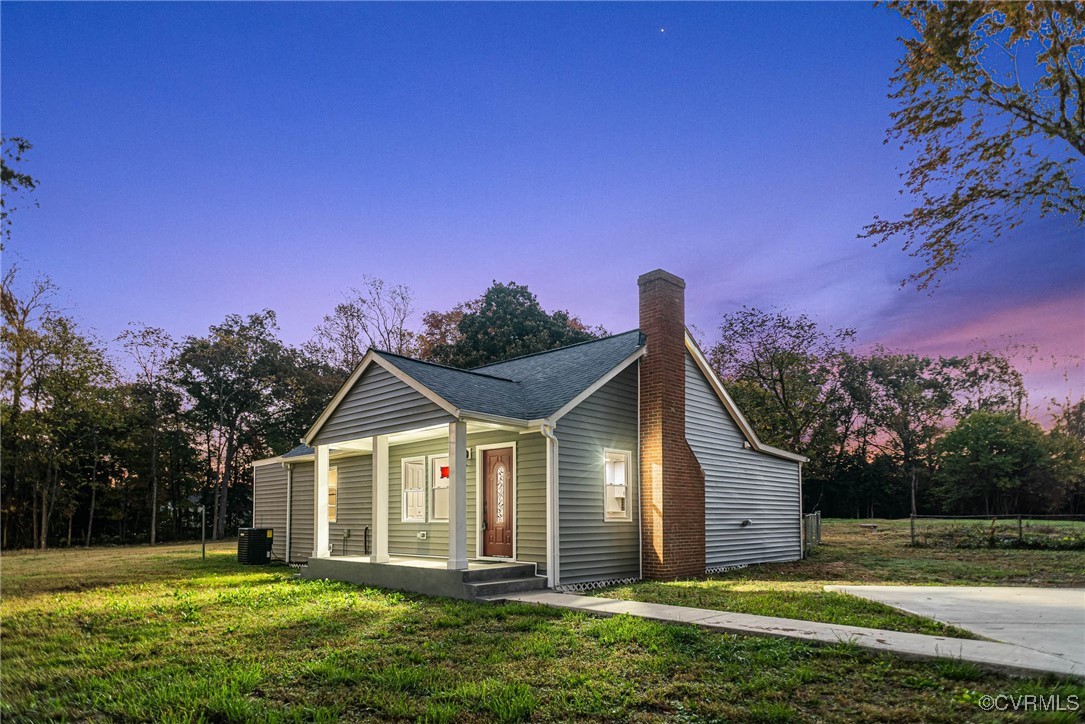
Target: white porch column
column 320, row 529
column 380, row 500
column 457, row 496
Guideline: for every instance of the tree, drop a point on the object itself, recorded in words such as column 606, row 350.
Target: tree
column 303, row 387
column 14, row 181
column 230, row 377
column 1067, row 441
column 984, row 380
column 506, row 322
column 995, row 460
column 784, row 372
column 151, row 349
column 23, row 353
column 375, row 316
column 910, row 401
column 991, row 97
column 67, row 404
column 441, row 330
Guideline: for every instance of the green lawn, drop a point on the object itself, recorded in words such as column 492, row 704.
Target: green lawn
column 852, row 554
column 138, row 634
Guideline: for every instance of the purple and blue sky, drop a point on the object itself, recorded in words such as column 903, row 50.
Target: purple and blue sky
column 200, row 159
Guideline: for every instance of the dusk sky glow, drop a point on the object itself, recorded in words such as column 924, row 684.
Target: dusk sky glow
column 201, row 159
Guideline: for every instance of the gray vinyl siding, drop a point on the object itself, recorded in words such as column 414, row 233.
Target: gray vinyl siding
column 740, row 484
column 269, row 504
column 593, row 549
column 379, row 404
column 355, row 505
column 531, row 500
column 530, row 484
column 302, row 492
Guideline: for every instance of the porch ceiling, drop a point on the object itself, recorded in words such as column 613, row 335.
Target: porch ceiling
column 435, row 432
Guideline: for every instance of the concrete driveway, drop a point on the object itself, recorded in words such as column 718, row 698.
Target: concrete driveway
column 1050, row 620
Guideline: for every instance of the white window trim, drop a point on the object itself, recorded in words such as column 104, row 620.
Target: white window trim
column 333, row 512
column 429, row 488
column 477, row 456
column 403, row 489
column 628, row 516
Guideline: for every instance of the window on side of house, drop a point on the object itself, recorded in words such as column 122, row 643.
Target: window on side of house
column 616, row 498
column 438, row 497
column 414, row 490
column 333, row 494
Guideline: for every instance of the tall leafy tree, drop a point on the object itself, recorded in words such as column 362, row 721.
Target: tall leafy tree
column 15, row 182
column 67, row 404
column 997, row 462
column 911, row 400
column 230, row 376
column 786, row 373
column 23, row 351
column 991, row 101
column 506, row 322
column 150, row 349
column 375, row 315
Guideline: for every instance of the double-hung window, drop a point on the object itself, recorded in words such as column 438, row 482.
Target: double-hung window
column 333, row 494
column 438, row 495
column 414, row 490
column 617, row 503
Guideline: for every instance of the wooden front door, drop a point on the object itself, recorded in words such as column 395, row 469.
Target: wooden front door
column 497, row 502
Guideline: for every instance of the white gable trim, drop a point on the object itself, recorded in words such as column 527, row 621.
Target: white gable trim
column 372, row 357
column 595, row 386
column 732, row 408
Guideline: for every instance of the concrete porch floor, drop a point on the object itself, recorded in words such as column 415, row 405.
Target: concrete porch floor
column 429, row 575
column 426, row 562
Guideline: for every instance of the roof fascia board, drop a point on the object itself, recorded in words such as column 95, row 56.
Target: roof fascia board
column 732, row 408
column 266, row 461
column 372, row 357
column 487, row 417
column 595, row 386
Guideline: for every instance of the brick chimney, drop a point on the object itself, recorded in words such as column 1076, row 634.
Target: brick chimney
column 671, row 479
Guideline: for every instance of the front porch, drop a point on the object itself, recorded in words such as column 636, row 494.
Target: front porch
column 431, row 576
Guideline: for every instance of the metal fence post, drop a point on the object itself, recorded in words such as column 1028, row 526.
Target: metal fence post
column 203, row 532
column 912, row 516
column 1020, row 530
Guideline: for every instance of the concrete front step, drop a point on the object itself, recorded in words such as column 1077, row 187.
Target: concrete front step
column 498, row 572
column 490, row 589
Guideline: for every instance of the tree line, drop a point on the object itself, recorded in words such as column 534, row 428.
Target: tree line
column 891, row 432
column 124, row 447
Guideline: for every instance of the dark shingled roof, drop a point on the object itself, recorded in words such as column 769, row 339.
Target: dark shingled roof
column 525, row 388
column 299, row 451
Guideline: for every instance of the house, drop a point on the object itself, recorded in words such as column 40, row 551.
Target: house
column 611, row 460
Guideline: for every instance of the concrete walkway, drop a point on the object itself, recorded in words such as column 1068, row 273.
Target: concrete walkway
column 1009, row 658
column 1048, row 620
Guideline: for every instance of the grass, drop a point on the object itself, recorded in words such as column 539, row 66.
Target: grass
column 139, row 633
column 850, row 554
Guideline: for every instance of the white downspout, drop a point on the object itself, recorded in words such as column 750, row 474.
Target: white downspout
column 802, row 523
column 640, row 489
column 289, row 504
column 553, row 562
